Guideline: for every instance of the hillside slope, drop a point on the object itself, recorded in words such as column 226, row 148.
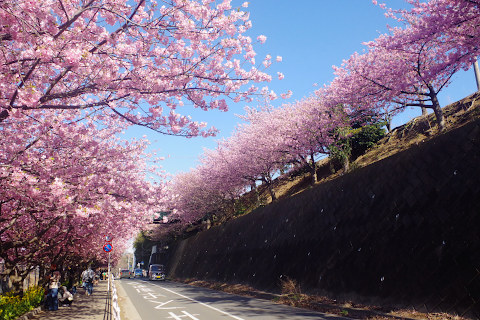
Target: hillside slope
column 402, row 230
column 413, row 133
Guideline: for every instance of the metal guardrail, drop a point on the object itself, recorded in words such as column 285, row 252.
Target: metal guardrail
column 112, row 309
column 115, row 306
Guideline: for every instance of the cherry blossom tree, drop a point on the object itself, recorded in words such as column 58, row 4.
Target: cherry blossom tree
column 455, row 23
column 207, row 191
column 261, row 148
column 210, row 189
column 409, row 66
column 74, row 74
column 136, row 60
column 268, row 140
column 307, row 130
column 65, row 185
column 409, row 74
column 412, row 64
column 441, row 38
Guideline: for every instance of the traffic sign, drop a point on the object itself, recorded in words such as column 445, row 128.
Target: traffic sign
column 107, row 247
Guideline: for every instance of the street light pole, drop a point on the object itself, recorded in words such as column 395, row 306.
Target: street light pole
column 477, row 73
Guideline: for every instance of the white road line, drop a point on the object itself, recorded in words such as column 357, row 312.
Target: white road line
column 186, row 314
column 203, row 304
column 161, row 306
column 190, row 315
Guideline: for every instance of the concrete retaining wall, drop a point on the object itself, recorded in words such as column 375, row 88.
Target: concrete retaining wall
column 405, row 230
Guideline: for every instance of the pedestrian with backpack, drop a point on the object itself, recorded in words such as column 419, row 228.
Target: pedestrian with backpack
column 52, row 294
column 87, row 278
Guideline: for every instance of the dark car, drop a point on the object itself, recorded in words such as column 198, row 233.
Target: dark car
column 156, row 272
column 138, row 273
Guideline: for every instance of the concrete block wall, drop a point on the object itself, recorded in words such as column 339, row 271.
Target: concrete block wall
column 404, row 230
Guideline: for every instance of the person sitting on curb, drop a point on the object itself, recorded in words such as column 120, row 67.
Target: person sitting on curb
column 65, row 298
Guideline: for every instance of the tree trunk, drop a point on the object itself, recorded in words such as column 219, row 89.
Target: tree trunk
column 437, row 109
column 346, row 165
column 439, row 117
column 388, row 122
column 4, row 115
column 421, row 98
column 254, row 188
column 272, row 192
column 267, row 179
column 16, row 280
column 313, row 169
column 424, row 111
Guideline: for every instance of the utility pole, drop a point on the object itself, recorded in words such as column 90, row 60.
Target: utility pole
column 477, row 73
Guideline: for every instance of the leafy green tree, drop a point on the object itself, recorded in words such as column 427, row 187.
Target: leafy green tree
column 143, row 247
column 366, row 137
column 355, row 141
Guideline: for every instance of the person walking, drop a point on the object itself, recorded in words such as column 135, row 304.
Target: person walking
column 87, row 278
column 52, row 296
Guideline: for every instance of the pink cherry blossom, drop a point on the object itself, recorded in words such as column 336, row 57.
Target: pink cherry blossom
column 68, row 182
column 262, row 38
column 120, row 58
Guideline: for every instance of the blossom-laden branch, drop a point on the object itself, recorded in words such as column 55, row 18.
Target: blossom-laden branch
column 70, row 54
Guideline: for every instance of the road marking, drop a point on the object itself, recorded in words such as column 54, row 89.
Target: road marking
column 186, row 314
column 160, row 306
column 149, row 296
column 203, row 304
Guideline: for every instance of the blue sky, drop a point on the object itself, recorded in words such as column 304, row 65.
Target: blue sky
column 311, row 36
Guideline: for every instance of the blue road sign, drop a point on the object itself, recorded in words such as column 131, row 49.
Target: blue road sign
column 107, row 247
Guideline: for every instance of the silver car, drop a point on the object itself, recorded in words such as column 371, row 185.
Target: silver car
column 125, row 273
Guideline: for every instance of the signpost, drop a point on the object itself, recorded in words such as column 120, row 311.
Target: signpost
column 107, row 247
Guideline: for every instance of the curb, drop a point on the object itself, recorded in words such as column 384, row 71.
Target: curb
column 30, row 314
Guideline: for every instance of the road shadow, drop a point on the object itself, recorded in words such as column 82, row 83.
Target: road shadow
column 83, row 307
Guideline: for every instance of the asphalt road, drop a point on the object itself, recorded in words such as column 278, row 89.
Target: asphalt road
column 172, row 300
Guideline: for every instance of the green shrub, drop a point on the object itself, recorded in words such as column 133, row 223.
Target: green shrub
column 13, row 305
column 354, row 142
column 366, row 137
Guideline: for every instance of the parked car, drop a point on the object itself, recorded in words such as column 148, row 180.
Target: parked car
column 156, row 272
column 125, row 273
column 138, row 273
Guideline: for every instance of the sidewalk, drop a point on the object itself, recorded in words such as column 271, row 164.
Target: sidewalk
column 83, row 307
